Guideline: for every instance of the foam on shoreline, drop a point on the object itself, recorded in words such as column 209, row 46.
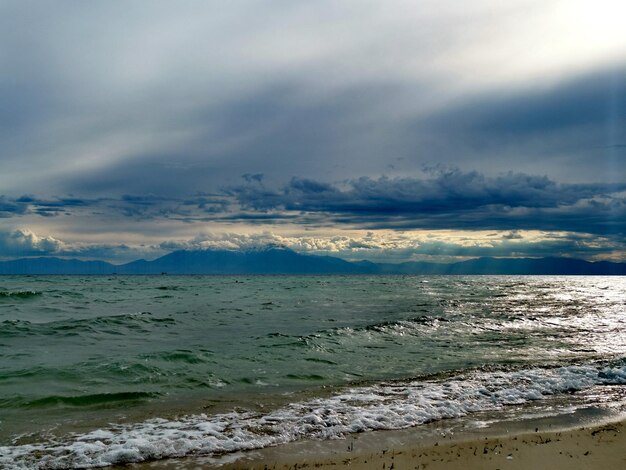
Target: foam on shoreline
column 384, row 406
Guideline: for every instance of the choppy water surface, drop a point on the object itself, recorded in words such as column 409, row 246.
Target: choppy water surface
column 97, row 370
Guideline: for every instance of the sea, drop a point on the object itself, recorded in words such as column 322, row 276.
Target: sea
column 108, row 370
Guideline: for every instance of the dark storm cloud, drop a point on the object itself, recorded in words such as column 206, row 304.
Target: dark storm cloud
column 450, row 198
column 11, row 207
column 445, row 198
column 48, row 207
column 53, row 207
column 141, row 207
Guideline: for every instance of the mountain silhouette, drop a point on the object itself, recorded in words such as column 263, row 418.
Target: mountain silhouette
column 284, row 261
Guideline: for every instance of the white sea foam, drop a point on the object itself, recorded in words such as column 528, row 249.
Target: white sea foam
column 383, row 406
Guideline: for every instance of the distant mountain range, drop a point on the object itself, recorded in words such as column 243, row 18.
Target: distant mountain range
column 285, row 261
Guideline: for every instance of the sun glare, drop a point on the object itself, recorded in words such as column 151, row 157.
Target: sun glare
column 598, row 24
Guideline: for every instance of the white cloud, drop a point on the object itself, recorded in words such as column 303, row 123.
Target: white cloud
column 24, row 242
column 379, row 245
column 389, row 246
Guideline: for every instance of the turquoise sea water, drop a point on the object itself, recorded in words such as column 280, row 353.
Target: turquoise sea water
column 101, row 370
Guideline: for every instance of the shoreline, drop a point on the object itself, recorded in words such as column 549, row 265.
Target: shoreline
column 596, row 447
column 560, row 443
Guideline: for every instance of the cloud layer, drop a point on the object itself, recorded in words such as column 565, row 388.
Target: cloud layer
column 380, row 246
column 124, row 126
column 110, row 99
column 586, row 220
column 449, row 199
column 444, row 198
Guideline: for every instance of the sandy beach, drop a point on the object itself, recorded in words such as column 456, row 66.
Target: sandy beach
column 599, row 446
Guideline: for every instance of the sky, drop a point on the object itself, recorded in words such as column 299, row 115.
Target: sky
column 385, row 130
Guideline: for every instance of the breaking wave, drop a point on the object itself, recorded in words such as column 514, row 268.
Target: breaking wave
column 387, row 405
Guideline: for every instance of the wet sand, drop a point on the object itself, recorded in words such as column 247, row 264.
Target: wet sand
column 600, row 446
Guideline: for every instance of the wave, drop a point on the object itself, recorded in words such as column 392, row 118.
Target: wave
column 327, row 340
column 78, row 400
column 411, row 326
column 23, row 294
column 112, row 324
column 183, row 355
column 388, row 405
